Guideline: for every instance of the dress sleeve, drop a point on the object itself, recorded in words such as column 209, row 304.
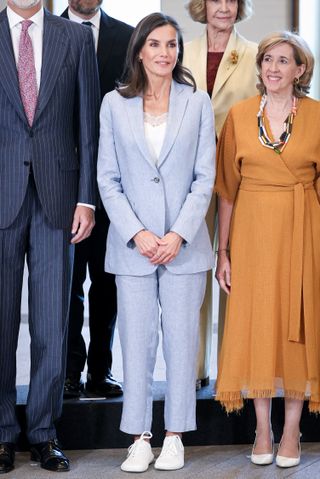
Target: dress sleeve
column 228, row 171
column 317, row 182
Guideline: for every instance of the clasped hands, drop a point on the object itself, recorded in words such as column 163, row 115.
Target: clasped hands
column 158, row 250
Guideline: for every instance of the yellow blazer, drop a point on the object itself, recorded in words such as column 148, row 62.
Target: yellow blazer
column 234, row 81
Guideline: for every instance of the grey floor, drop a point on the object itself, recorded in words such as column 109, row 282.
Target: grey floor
column 213, row 462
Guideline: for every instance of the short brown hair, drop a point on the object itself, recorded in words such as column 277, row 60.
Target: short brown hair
column 302, row 55
column 198, row 12
column 135, row 78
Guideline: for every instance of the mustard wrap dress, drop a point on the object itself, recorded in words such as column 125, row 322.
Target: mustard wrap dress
column 271, row 341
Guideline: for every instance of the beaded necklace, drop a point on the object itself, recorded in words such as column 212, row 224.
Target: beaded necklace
column 277, row 146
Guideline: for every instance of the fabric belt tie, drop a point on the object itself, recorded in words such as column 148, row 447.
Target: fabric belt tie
column 296, row 259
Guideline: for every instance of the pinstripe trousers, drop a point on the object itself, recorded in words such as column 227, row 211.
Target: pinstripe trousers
column 49, row 259
column 176, row 300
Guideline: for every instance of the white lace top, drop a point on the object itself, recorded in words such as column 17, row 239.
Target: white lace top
column 155, row 130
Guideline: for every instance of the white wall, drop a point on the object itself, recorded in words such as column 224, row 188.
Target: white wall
column 309, row 30
column 131, row 11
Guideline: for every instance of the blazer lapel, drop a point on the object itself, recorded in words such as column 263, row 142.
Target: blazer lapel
column 134, row 107
column 199, row 61
column 177, row 107
column 55, row 45
column 227, row 67
column 8, row 68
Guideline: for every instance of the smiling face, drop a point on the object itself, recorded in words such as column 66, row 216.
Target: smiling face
column 160, row 52
column 221, row 14
column 279, row 69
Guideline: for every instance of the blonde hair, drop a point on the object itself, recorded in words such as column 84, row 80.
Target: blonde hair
column 198, row 12
column 301, row 53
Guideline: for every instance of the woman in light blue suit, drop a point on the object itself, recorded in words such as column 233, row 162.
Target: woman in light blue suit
column 155, row 176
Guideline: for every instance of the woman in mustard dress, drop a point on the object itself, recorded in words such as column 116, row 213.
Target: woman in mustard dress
column 269, row 246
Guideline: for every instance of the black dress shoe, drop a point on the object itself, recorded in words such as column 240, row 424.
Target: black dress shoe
column 106, row 387
column 201, row 383
column 72, row 388
column 50, row 456
column 7, row 452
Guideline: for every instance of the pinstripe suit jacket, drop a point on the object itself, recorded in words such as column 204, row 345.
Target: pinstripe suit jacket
column 61, row 144
column 172, row 196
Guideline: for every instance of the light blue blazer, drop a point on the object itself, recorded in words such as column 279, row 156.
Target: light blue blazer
column 172, row 196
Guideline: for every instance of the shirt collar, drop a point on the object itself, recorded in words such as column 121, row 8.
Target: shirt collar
column 95, row 20
column 14, row 19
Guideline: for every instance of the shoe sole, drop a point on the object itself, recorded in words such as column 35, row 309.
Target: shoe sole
column 286, row 466
column 262, row 461
column 159, row 468
column 34, row 457
column 140, row 470
column 52, row 469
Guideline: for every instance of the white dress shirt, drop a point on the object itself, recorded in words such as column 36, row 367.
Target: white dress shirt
column 36, row 34
column 95, row 20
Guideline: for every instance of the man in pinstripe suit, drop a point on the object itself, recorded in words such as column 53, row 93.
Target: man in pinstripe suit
column 47, row 197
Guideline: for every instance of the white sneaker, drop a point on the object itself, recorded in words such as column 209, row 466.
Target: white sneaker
column 139, row 455
column 172, row 454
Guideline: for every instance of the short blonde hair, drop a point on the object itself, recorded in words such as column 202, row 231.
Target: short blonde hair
column 302, row 55
column 198, row 12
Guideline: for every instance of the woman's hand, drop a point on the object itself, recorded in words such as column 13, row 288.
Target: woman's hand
column 168, row 249
column 223, row 271
column 147, row 243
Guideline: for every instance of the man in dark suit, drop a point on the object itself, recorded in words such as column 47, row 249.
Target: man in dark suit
column 49, row 105
column 111, row 40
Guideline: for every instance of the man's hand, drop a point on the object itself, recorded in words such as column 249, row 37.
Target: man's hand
column 83, row 222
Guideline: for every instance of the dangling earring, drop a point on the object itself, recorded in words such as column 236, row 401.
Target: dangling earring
column 296, row 81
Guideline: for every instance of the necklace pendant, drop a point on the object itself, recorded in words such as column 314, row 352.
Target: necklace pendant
column 277, row 151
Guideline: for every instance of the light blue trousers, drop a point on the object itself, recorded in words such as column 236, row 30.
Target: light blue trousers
column 176, row 301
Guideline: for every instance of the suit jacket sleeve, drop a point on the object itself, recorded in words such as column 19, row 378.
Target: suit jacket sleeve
column 195, row 207
column 88, row 125
column 109, row 180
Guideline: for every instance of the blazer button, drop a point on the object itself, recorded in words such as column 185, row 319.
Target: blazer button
column 31, row 134
column 156, row 179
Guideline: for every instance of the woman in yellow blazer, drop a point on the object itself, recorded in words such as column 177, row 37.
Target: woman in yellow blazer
column 223, row 64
